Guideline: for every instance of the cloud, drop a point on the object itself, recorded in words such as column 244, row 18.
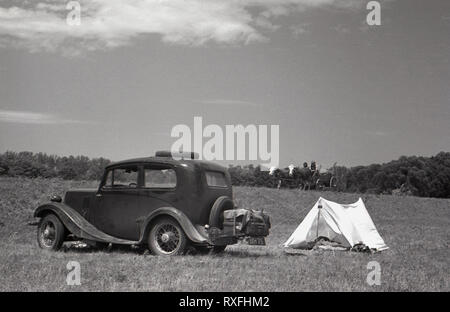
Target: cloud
column 299, row 29
column 26, row 117
column 106, row 24
column 228, row 102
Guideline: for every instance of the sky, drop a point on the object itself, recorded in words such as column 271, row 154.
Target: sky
column 115, row 85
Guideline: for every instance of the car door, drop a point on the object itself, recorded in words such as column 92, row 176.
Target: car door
column 118, row 203
column 159, row 185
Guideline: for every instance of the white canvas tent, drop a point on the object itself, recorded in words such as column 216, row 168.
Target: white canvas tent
column 346, row 224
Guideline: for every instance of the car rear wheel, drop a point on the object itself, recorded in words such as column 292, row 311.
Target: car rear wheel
column 51, row 232
column 167, row 238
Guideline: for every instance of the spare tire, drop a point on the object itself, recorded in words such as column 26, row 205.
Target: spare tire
column 216, row 215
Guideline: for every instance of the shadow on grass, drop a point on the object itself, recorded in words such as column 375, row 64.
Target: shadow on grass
column 248, row 254
column 234, row 252
column 80, row 247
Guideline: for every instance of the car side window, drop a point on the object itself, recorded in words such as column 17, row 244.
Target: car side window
column 160, row 178
column 216, row 178
column 126, row 177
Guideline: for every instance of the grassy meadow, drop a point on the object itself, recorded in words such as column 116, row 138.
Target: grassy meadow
column 415, row 229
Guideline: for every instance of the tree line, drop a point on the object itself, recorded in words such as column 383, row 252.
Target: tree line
column 33, row 165
column 414, row 175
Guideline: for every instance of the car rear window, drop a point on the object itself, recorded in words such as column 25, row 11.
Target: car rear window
column 216, row 178
column 160, row 178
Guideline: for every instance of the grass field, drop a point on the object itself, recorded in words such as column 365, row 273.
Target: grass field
column 415, row 229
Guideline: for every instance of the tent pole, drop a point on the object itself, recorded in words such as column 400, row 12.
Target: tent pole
column 318, row 216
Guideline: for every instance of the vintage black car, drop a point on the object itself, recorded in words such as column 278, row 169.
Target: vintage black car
column 166, row 202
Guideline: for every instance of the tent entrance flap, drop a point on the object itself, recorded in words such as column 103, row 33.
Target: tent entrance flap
column 324, row 226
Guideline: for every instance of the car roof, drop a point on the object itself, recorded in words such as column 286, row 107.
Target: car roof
column 170, row 161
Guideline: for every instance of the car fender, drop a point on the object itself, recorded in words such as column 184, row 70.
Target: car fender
column 77, row 225
column 191, row 231
column 62, row 211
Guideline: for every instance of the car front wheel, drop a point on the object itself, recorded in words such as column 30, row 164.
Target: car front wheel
column 50, row 233
column 167, row 238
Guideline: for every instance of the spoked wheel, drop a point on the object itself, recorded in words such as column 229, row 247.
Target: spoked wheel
column 167, row 238
column 50, row 234
column 333, row 182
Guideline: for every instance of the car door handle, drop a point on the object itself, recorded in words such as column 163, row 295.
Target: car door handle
column 99, row 195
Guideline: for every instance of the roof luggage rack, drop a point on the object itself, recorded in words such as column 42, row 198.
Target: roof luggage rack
column 177, row 155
